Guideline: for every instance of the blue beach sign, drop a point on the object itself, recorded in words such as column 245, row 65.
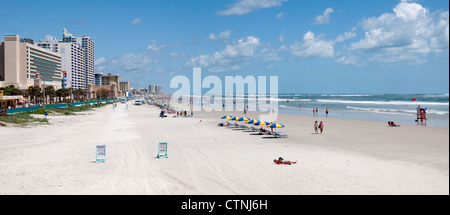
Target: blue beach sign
column 100, row 153
column 162, row 150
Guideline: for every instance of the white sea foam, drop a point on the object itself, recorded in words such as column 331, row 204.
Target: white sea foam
column 397, row 111
column 383, row 102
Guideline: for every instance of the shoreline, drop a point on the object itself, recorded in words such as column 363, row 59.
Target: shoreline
column 350, row 157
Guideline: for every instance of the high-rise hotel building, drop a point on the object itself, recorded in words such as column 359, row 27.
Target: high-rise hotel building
column 21, row 61
column 77, row 56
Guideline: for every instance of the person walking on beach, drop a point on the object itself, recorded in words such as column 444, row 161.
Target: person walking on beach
column 326, row 112
column 316, row 126
column 321, row 127
column 317, row 112
column 314, row 112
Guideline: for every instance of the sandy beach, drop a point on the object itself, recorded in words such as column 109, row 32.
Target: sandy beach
column 350, row 157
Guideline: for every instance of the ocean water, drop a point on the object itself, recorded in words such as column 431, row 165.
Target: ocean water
column 375, row 107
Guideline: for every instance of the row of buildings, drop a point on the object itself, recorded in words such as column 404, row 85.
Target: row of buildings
column 66, row 63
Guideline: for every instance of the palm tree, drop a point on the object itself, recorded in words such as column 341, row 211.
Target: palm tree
column 50, row 90
column 34, row 91
column 70, row 93
column 11, row 90
column 60, row 93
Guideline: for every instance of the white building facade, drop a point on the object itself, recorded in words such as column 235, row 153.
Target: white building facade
column 77, row 58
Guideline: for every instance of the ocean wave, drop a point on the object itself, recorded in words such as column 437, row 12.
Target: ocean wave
column 397, row 111
column 383, row 102
column 347, row 95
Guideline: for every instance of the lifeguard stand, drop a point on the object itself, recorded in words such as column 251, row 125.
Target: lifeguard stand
column 422, row 115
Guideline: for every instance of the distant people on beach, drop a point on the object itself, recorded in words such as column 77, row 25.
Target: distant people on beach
column 321, row 127
column 392, row 124
column 317, row 112
column 314, row 111
column 280, row 160
column 326, row 112
column 316, row 128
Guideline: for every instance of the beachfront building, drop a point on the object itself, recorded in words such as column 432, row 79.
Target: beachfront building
column 77, row 55
column 108, row 79
column 154, row 89
column 21, row 61
column 87, row 44
column 71, row 61
column 98, row 79
column 124, row 86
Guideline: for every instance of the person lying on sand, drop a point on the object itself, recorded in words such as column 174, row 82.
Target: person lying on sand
column 281, row 161
column 392, row 124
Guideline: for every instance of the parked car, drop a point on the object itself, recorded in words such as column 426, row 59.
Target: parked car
column 138, row 102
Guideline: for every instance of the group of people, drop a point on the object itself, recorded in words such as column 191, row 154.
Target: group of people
column 316, row 111
column 280, row 160
column 184, row 113
column 317, row 127
column 393, row 124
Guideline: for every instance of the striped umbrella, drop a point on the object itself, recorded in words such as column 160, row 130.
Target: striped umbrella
column 262, row 123
column 227, row 117
column 253, row 121
column 275, row 125
column 245, row 119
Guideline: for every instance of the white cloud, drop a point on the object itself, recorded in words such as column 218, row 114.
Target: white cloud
column 230, row 58
column 136, row 21
column 312, row 46
column 280, row 15
column 345, row 36
column 247, row 6
column 100, row 61
column 221, row 35
column 408, row 33
column 350, row 60
column 281, row 38
column 325, row 17
column 99, row 64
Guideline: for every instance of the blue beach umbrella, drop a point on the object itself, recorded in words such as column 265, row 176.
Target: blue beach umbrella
column 243, row 119
column 262, row 123
column 253, row 121
column 227, row 117
column 275, row 125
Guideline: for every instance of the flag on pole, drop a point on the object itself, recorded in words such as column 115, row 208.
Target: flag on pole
column 413, row 100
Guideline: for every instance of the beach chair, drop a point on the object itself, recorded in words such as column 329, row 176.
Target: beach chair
column 279, row 135
column 254, row 129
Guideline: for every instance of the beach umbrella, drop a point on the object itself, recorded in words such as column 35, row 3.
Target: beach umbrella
column 253, row 121
column 227, row 117
column 262, row 123
column 245, row 119
column 275, row 125
column 237, row 118
column 234, row 118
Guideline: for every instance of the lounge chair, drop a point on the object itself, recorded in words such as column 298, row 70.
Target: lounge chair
column 278, row 135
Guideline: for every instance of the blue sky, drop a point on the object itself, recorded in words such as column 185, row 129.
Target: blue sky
column 313, row 46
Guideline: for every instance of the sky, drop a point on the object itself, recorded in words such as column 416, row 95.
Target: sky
column 313, row 46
